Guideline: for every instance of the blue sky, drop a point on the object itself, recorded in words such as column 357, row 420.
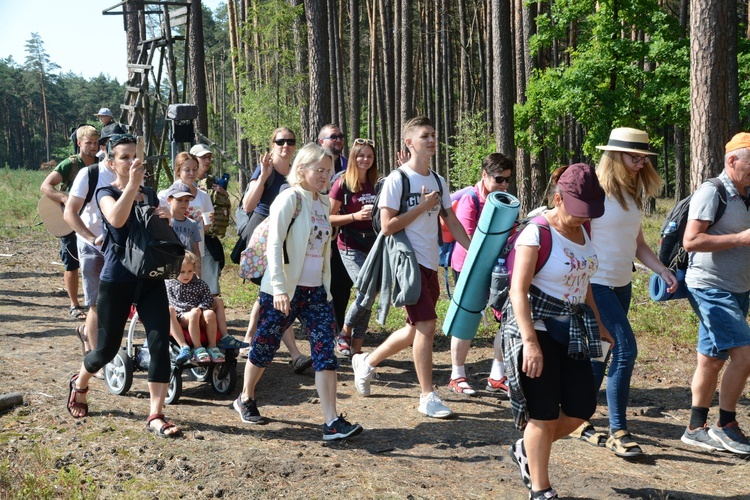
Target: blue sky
column 75, row 33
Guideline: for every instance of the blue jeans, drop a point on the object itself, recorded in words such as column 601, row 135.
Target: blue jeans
column 613, row 304
column 358, row 316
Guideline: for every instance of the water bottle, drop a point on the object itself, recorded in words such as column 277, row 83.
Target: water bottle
column 499, row 285
column 671, row 228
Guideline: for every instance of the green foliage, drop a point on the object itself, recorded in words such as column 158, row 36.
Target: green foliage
column 473, row 142
column 19, row 194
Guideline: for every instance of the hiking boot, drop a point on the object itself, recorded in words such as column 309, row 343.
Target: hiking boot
column 340, row 429
column 363, row 373
column 731, row 438
column 248, row 410
column 343, row 345
column 432, row 406
column 699, row 437
column 498, row 385
column 542, row 495
column 518, row 455
column 301, row 364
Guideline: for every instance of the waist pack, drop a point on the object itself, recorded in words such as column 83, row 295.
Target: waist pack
column 152, row 250
column 254, row 259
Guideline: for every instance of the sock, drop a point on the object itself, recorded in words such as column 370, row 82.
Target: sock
column 498, row 370
column 458, row 372
column 726, row 417
column 331, row 422
column 698, row 417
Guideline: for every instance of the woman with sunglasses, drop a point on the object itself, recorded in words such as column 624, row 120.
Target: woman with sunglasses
column 268, row 180
column 299, row 287
column 628, row 179
column 119, row 288
column 496, row 176
column 352, row 196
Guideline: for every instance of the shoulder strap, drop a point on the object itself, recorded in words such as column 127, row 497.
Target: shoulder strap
column 473, row 194
column 722, row 191
column 297, row 210
column 93, row 180
column 545, row 241
column 405, row 190
column 440, row 191
column 270, row 179
column 343, row 185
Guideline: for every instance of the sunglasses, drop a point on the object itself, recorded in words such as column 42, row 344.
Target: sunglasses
column 500, row 179
column 369, row 142
column 288, row 142
column 636, row 159
column 335, row 136
column 116, row 139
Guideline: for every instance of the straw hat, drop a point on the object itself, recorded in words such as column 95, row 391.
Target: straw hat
column 628, row 140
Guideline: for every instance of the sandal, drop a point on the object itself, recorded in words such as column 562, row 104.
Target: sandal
column 301, row 364
column 81, row 332
column 623, row 444
column 162, row 431
column 72, row 403
column 200, row 355
column 77, row 312
column 215, row 354
column 461, row 386
column 588, row 434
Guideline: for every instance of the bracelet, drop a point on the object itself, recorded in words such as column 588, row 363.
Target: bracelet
column 662, row 271
column 352, row 217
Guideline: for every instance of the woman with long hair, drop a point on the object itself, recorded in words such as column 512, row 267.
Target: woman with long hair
column 352, row 196
column 628, row 178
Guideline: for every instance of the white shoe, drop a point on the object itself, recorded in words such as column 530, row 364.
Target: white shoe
column 432, row 406
column 363, row 373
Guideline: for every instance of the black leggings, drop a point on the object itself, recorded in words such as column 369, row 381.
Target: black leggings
column 113, row 307
column 341, row 286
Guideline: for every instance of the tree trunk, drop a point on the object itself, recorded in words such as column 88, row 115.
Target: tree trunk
column 197, row 68
column 523, row 159
column 502, row 75
column 406, row 77
column 355, row 104
column 301, row 68
column 709, row 113
column 463, row 54
column 733, row 84
column 680, row 170
column 319, row 70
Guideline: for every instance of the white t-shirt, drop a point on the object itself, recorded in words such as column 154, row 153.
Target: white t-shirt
column 199, row 205
column 312, row 268
column 614, row 236
column 567, row 272
column 423, row 231
column 91, row 216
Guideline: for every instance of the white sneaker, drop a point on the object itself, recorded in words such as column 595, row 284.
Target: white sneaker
column 432, row 406
column 363, row 373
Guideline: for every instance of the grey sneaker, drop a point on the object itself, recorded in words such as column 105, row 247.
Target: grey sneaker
column 248, row 411
column 700, row 438
column 518, row 454
column 432, row 406
column 363, row 373
column 731, row 438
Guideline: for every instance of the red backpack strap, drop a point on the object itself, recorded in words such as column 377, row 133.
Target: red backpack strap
column 545, row 242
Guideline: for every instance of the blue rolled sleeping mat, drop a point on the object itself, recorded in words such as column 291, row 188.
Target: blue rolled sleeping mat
column 657, row 288
column 473, row 287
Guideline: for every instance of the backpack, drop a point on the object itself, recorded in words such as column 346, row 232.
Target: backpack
column 449, row 243
column 497, row 301
column 405, row 195
column 254, row 259
column 222, row 205
column 152, row 250
column 93, row 180
column 671, row 252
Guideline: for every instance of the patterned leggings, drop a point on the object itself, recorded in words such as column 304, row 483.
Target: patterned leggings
column 311, row 306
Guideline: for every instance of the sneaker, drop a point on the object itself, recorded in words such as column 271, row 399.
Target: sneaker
column 248, row 411
column 185, row 354
column 432, row 406
column 301, row 364
column 518, row 455
column 498, row 385
column 731, row 438
column 343, row 345
column 340, row 429
column 229, row 342
column 542, row 495
column 362, row 373
column 699, row 437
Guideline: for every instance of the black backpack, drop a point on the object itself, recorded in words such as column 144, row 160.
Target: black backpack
column 152, row 250
column 405, row 194
column 671, row 252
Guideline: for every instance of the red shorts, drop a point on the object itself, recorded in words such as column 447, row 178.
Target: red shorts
column 424, row 309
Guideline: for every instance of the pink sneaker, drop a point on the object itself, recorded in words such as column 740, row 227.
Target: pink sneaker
column 498, row 385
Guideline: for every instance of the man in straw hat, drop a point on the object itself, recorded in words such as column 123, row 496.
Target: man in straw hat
column 718, row 278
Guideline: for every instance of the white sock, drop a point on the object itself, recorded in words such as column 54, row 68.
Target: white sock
column 498, row 370
column 331, row 422
column 458, row 372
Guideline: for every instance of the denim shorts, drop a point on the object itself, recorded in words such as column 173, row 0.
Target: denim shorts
column 69, row 252
column 722, row 318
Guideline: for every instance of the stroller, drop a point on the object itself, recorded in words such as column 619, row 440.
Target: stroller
column 118, row 374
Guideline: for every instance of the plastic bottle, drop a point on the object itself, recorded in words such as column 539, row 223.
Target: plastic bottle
column 499, row 284
column 671, row 228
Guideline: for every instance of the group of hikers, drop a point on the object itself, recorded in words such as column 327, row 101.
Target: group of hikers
column 570, row 288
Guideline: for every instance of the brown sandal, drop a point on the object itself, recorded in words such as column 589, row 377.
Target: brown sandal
column 81, row 332
column 72, row 403
column 161, row 431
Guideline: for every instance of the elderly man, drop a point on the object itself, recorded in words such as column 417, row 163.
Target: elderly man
column 105, row 116
column 718, row 279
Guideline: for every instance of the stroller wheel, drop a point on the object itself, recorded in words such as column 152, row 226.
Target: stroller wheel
column 118, row 374
column 224, row 377
column 174, row 389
